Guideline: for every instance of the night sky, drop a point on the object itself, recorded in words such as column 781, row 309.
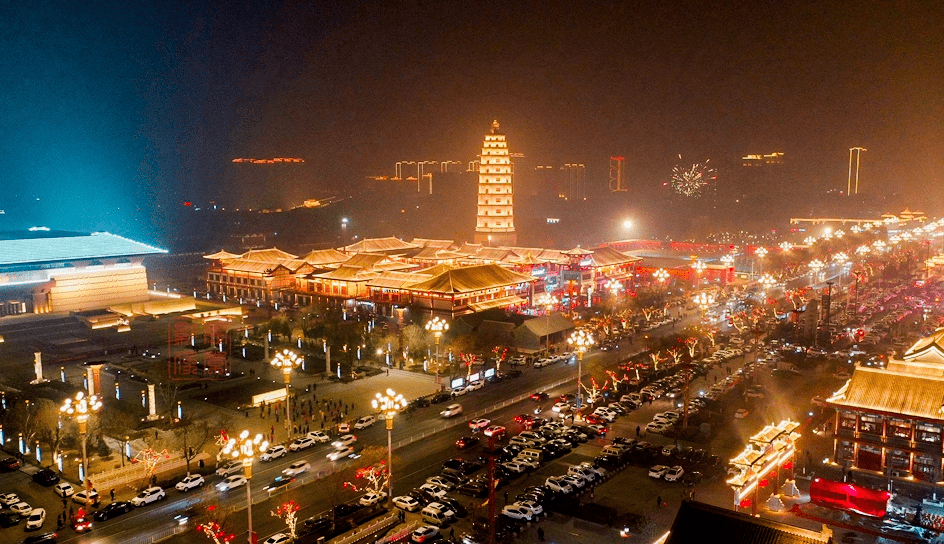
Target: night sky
column 113, row 113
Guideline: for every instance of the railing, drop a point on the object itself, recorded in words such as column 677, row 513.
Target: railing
column 363, row 533
column 110, row 479
column 157, row 536
column 402, row 534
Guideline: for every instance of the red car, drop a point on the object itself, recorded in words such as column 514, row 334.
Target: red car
column 526, row 420
column 466, row 442
column 496, row 431
column 538, row 397
column 591, row 418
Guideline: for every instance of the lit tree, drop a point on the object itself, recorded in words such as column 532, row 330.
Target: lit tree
column 375, row 478
column 656, row 359
column 468, row 359
column 594, row 390
column 216, row 533
column 287, row 511
column 692, row 343
column 676, row 355
column 501, row 353
column 149, row 459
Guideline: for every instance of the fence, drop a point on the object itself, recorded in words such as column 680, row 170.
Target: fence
column 363, row 533
column 156, row 536
column 402, row 534
column 135, row 472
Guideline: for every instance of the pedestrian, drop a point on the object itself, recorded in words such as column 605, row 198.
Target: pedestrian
column 247, row 413
column 541, row 534
column 506, row 497
column 452, row 534
column 388, row 372
column 659, row 501
column 637, row 431
column 112, row 495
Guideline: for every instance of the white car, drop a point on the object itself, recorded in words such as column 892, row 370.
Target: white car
column 458, row 391
column 674, row 473
column 475, row 386
column 580, row 472
column 319, row 437
column 480, row 423
column 531, row 506
column 82, row 496
column 434, row 490
column 9, row 499
column 452, row 410
column 277, row 538
column 741, row 413
column 556, row 483
column 229, row 469
column 515, row 511
column 605, row 414
column 301, row 444
column 406, row 502
column 232, row 482
column 344, row 441
column 273, row 453
column 190, row 482
column 344, row 427
column 561, row 407
column 522, row 441
column 21, row 508
column 441, row 482
column 365, row 422
column 64, row 489
column 516, row 466
column 296, row 468
column 154, row 494
column 658, row 471
column 530, row 463
column 36, row 519
column 575, row 481
column 340, row 453
column 656, row 427
column 426, row 533
column 371, row 498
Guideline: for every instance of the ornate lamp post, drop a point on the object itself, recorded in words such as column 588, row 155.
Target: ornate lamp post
column 815, row 266
column 548, row 302
column 581, row 340
column 767, row 281
column 389, row 404
column 698, row 267
column 704, row 301
column 437, row 326
column 244, row 449
column 841, row 259
column 286, row 360
column 79, row 409
column 760, row 252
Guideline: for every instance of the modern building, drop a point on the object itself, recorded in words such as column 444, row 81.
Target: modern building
column 573, row 179
column 43, row 271
column 759, row 160
column 889, row 421
column 495, row 220
column 618, row 182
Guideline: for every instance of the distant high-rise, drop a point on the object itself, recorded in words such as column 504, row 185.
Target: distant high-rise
column 769, row 159
column 495, row 221
column 855, row 156
column 574, row 176
column 617, row 171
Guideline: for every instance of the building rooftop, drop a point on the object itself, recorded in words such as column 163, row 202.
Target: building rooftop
column 470, row 279
column 694, row 518
column 57, row 246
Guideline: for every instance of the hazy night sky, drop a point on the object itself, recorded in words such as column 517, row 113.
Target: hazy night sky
column 112, row 109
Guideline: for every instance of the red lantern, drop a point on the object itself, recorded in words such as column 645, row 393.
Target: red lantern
column 745, row 503
column 763, row 482
column 788, row 465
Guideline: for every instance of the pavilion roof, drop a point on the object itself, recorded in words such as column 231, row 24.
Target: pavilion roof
column 379, row 245
column 256, row 267
column 221, row 255
column 271, row 255
column 927, row 349
column 427, row 242
column 347, row 273
column 893, row 391
column 471, row 278
column 320, row 257
column 607, row 256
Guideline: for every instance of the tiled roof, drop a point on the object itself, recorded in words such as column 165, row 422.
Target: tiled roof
column 320, row 257
column 347, row 273
column 438, row 244
column 221, row 255
column 694, row 519
column 99, row 245
column 243, row 265
column 397, row 280
column 502, row 302
column 545, row 325
column 929, row 348
column 471, row 278
column 893, row 391
column 271, row 255
column 379, row 245
column 607, row 256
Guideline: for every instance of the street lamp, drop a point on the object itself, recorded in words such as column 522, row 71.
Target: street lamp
column 80, row 408
column 704, row 300
column 286, row 360
column 767, row 281
column 244, row 450
column 549, row 302
column 761, row 252
column 389, row 404
column 581, row 340
column 841, row 259
column 698, row 267
column 815, row 266
column 437, row 326
column 661, row 275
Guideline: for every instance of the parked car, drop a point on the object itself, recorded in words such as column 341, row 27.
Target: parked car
column 301, row 443
column 516, row 511
column 657, row 471
column 365, row 422
column 21, row 508
column 9, row 464
column 274, row 452
column 425, row 533
column 46, row 477
column 674, row 473
column 319, row 437
column 405, row 502
column 36, row 519
column 190, row 482
column 154, row 494
column 86, row 495
column 371, row 498
column 277, row 538
column 45, row 538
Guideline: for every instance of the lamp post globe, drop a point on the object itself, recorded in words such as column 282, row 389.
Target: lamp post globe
column 286, row 361
column 388, row 404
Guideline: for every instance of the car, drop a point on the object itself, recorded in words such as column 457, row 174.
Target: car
column 656, row 427
column 277, row 538
column 154, row 494
column 451, row 411
column 587, row 475
column 233, row 467
column 344, row 440
column 466, row 441
column 341, row 453
column 480, row 423
column 373, row 497
column 434, row 490
column 9, row 464
column 81, row 522
column 9, row 519
column 442, row 481
column 516, row 466
column 692, row 478
column 9, row 499
column 296, row 468
column 36, row 519
column 230, row 482
column 344, row 427
column 741, row 413
column 89, row 496
column 495, row 431
column 474, row 488
column 532, row 506
column 45, row 538
column 440, row 398
column 46, row 477
column 459, row 391
column 319, row 437
column 190, row 482
column 21, row 508
column 561, row 407
column 475, row 386
column 406, row 502
column 524, row 419
column 454, row 505
column 515, row 511
column 674, row 473
column 301, row 443
column 531, row 464
column 425, row 533
column 365, row 422
column 576, row 481
column 670, row 450
column 559, row 485
column 273, row 453
column 538, row 397
column 278, row 483
column 420, row 403
column 657, row 471
column 522, row 441
column 112, row 510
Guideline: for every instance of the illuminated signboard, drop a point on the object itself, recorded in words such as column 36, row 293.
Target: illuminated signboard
column 457, row 382
column 489, row 372
column 475, row 377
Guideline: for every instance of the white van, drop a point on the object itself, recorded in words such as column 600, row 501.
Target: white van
column 452, row 410
column 437, row 514
column 532, row 454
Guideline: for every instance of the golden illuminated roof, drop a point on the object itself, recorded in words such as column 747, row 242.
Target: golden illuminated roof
column 379, row 245
column 271, row 255
column 321, row 257
column 221, row 255
column 470, row 279
column 893, row 391
column 255, row 267
column 929, row 349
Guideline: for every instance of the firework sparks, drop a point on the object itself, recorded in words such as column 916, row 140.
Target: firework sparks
column 690, row 181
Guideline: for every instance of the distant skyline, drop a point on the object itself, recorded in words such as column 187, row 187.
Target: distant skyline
column 115, row 113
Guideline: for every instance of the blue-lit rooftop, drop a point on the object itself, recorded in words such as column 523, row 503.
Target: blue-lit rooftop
column 44, row 246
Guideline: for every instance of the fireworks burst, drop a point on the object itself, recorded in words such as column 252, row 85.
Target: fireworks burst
column 690, row 181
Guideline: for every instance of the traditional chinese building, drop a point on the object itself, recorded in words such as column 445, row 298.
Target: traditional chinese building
column 458, row 291
column 258, row 274
column 890, row 420
column 495, row 221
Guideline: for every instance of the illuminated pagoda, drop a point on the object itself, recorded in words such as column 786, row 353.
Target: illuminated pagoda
column 890, row 421
column 495, row 221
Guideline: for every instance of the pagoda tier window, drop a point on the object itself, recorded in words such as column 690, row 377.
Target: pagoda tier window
column 899, row 429
column 870, row 424
column 929, row 434
column 847, row 421
column 898, row 459
column 846, row 450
